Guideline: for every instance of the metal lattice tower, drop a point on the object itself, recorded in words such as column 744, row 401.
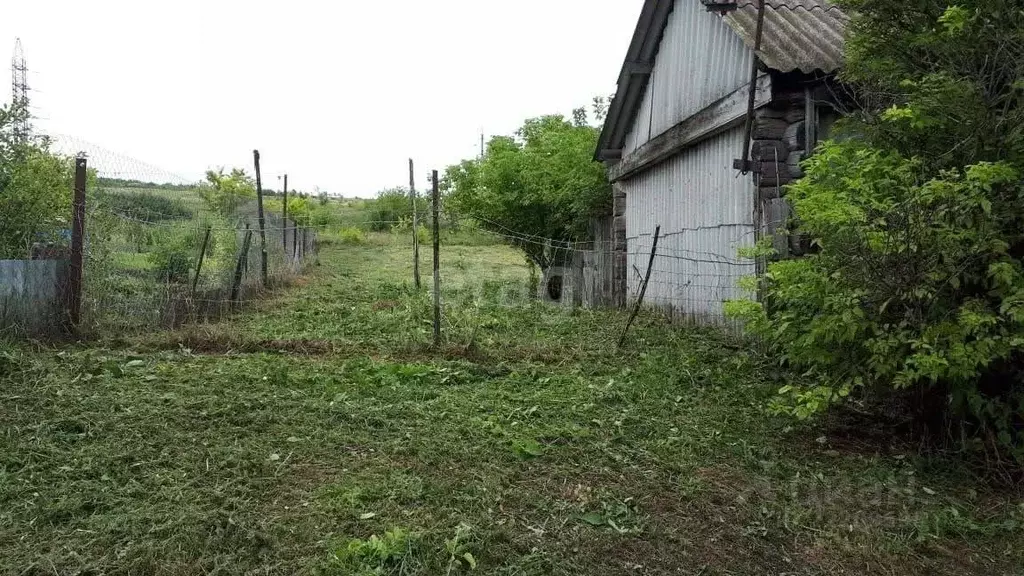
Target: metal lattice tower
column 19, row 92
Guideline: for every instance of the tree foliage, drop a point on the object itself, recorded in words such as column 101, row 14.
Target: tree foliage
column 916, row 292
column 540, row 183
column 35, row 189
column 393, row 207
column 225, row 193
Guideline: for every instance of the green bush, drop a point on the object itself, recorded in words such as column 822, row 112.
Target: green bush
column 351, row 235
column 35, row 198
column 391, row 207
column 174, row 256
column 226, row 193
column 915, row 297
column 404, row 226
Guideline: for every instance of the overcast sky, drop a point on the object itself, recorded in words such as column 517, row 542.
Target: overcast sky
column 337, row 93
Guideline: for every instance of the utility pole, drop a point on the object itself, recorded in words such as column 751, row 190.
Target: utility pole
column 19, row 93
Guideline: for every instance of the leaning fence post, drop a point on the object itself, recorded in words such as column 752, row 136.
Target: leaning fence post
column 434, row 201
column 77, row 244
column 243, row 257
column 199, row 265
column 295, row 240
column 263, row 222
column 415, row 227
column 304, row 240
column 643, row 288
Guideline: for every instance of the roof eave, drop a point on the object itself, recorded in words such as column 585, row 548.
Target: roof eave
column 636, row 70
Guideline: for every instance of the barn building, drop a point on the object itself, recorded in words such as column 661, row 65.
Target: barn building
column 675, row 138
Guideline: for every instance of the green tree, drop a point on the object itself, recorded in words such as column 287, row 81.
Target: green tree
column 225, row 193
column 393, row 207
column 915, row 297
column 540, row 183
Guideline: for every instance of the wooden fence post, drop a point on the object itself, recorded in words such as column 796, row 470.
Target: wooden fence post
column 243, row 258
column 263, row 222
column 295, row 240
column 74, row 295
column 199, row 265
column 643, row 288
column 284, row 216
column 415, row 227
column 435, row 200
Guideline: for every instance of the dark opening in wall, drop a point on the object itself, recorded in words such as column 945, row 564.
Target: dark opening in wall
column 554, row 287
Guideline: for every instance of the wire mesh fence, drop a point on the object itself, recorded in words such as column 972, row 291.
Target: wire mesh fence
column 145, row 268
column 143, row 248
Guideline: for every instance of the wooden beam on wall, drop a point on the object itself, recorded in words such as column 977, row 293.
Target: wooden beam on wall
column 717, row 117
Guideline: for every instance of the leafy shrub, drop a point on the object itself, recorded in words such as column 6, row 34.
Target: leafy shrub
column 404, row 225
column 173, row 256
column 352, row 235
column 321, row 216
column 225, row 193
column 391, row 207
column 35, row 198
column 915, row 298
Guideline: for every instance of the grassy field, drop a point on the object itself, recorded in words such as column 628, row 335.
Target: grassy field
column 318, row 432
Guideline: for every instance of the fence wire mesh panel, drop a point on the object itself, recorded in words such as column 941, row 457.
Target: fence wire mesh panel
column 160, row 255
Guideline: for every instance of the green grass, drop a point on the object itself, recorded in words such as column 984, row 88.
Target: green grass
column 320, row 432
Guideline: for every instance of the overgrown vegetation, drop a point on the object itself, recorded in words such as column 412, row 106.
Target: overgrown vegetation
column 393, row 206
column 541, row 183
column 174, row 254
column 914, row 301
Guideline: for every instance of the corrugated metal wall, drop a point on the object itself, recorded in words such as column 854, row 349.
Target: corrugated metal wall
column 705, row 210
column 700, row 60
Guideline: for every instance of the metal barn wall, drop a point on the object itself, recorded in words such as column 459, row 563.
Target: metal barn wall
column 700, row 60
column 705, row 210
